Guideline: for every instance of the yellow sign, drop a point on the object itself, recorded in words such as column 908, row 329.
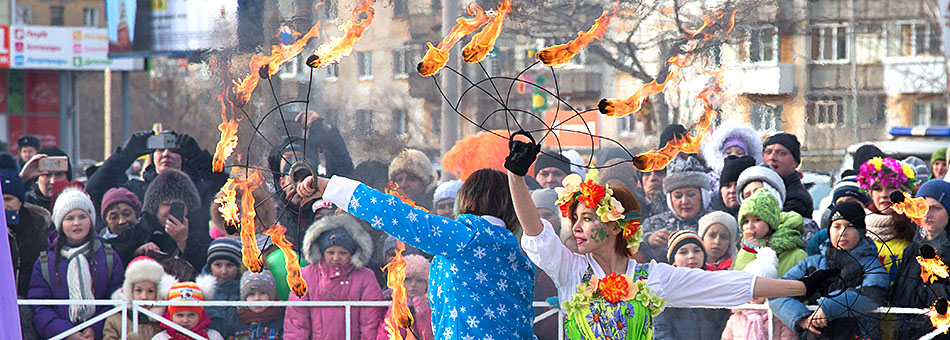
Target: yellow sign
column 158, row 5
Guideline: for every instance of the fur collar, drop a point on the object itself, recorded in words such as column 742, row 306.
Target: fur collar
column 712, row 145
column 311, row 248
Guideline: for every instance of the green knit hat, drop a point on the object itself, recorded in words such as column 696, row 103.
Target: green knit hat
column 764, row 205
column 940, row 154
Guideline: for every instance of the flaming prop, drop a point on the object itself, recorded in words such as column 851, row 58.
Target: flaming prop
column 229, row 139
column 931, row 266
column 913, row 208
column 228, row 202
column 337, row 48
column 437, row 56
column 269, row 65
column 938, row 315
column 622, row 107
column 395, row 279
column 688, row 143
column 251, row 253
column 393, row 189
column 484, row 41
column 296, row 282
column 558, row 55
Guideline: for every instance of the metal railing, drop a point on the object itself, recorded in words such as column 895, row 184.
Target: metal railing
column 120, row 307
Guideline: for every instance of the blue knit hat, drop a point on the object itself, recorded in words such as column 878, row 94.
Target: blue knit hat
column 446, row 190
column 848, row 187
column 937, row 189
column 337, row 237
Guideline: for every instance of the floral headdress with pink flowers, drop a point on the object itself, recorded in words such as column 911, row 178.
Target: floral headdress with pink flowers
column 608, row 208
column 887, row 172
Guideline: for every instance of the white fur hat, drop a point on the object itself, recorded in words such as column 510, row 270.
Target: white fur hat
column 728, row 131
column 764, row 265
column 144, row 268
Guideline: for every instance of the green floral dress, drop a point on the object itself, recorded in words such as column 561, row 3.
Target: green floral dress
column 591, row 316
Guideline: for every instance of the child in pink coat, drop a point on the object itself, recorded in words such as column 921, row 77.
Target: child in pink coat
column 337, row 247
column 417, row 289
column 752, row 324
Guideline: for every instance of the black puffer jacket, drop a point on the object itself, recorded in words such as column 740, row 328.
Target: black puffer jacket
column 910, row 290
column 797, row 198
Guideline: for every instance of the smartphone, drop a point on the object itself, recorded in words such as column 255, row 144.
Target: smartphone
column 161, row 141
column 178, row 210
column 54, row 164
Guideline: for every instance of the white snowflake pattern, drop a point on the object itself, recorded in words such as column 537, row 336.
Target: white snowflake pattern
column 412, row 216
column 395, row 222
column 472, row 321
column 489, row 337
column 453, row 314
column 436, row 231
column 468, row 337
column 479, row 252
column 372, row 200
column 502, row 310
column 502, row 284
column 445, row 221
column 481, row 277
column 438, row 291
column 418, row 240
column 377, row 222
column 496, row 247
column 392, row 201
column 464, row 284
column 355, row 203
column 444, row 253
column 461, row 246
column 462, row 309
column 490, row 232
column 491, row 292
column 454, row 269
column 512, row 257
column 514, row 266
column 490, row 313
column 448, row 333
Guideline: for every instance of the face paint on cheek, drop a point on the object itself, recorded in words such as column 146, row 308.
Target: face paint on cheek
column 600, row 233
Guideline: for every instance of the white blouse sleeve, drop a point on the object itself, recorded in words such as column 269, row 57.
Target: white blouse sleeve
column 548, row 253
column 685, row 287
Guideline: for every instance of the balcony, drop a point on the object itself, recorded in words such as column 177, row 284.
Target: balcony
column 915, row 75
column 761, row 78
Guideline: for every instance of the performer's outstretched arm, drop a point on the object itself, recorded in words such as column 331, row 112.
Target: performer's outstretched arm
column 524, row 206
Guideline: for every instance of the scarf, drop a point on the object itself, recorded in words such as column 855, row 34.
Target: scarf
column 201, row 328
column 79, row 281
column 756, row 322
column 881, row 227
column 722, row 265
column 269, row 314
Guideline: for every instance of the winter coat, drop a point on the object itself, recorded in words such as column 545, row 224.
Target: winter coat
column 739, row 324
column 255, row 330
column 51, row 320
column 222, row 317
column 30, row 242
column 704, row 324
column 650, row 208
column 797, row 198
column 113, row 328
column 479, row 282
column 910, row 291
column 786, row 259
column 37, row 198
column 351, row 282
column 421, row 316
column 150, row 230
column 212, row 335
column 785, row 240
column 719, row 205
column 857, row 301
column 672, row 222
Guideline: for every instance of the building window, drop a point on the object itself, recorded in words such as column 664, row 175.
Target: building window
column 761, row 44
column 400, row 122
column 909, row 39
column 930, row 113
column 826, row 110
column 873, row 109
column 90, row 17
column 365, row 60
column 364, row 120
column 400, row 7
column 766, row 117
column 24, row 15
column 56, row 16
column 401, row 61
column 829, row 43
column 333, row 71
column 289, row 69
column 628, row 124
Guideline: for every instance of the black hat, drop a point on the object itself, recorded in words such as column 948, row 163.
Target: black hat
column 670, row 132
column 54, row 151
column 851, row 212
column 789, row 141
column 547, row 161
column 865, row 153
column 732, row 167
column 28, row 140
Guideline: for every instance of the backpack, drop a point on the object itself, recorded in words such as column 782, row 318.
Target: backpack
column 110, row 262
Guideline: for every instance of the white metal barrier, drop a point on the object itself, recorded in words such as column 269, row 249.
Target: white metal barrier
column 119, row 307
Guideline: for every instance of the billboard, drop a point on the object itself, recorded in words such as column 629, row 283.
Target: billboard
column 60, row 48
column 168, row 27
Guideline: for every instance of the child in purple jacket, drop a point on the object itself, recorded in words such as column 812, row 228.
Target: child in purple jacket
column 77, row 266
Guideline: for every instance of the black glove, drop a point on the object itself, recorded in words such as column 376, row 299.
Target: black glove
column 187, row 147
column 521, row 154
column 820, row 281
column 137, row 145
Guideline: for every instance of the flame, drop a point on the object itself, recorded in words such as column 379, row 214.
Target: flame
column 484, row 41
column 732, row 21
column 229, row 139
column 437, row 56
column 251, row 253
column 938, row 315
column 280, row 54
column 913, row 208
column 622, row 107
column 395, row 279
column 296, row 282
column 932, row 269
column 228, row 208
column 708, row 20
column 688, row 143
column 337, row 48
column 562, row 54
column 393, row 189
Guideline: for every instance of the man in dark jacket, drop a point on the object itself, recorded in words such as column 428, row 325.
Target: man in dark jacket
column 27, row 223
column 42, row 188
column 187, row 157
column 783, row 152
column 158, row 231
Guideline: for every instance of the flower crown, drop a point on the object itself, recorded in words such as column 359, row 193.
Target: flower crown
column 886, row 172
column 608, row 208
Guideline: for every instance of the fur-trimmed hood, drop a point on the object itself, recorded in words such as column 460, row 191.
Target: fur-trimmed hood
column 311, row 248
column 712, row 146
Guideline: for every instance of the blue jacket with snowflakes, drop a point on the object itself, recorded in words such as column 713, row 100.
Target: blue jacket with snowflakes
column 480, row 284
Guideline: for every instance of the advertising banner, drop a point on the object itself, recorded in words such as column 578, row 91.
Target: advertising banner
column 62, row 48
column 167, row 27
